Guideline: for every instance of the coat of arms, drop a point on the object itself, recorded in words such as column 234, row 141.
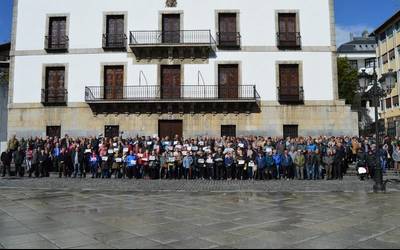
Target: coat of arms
column 171, row 3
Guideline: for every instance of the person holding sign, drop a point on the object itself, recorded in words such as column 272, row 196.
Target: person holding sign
column 131, row 164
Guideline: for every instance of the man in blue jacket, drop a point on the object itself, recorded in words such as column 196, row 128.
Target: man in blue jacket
column 131, row 164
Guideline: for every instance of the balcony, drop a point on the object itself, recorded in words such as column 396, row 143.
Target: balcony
column 182, row 44
column 184, row 99
column 54, row 97
column 229, row 40
column 114, row 41
column 292, row 97
column 289, row 40
column 56, row 43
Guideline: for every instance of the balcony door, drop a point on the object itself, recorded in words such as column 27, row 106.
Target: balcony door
column 57, row 32
column 227, row 29
column 55, row 85
column 287, row 29
column 228, row 81
column 170, row 82
column 289, row 89
column 115, row 37
column 113, row 82
column 171, row 25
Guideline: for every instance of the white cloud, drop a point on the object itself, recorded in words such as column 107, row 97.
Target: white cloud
column 343, row 32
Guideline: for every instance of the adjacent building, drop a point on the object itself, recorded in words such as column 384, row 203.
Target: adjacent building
column 4, row 76
column 175, row 67
column 388, row 53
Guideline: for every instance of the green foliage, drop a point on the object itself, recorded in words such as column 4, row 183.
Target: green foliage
column 348, row 81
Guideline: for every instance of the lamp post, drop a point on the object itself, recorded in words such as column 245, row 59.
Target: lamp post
column 370, row 79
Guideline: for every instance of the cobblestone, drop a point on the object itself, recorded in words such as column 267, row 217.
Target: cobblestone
column 349, row 184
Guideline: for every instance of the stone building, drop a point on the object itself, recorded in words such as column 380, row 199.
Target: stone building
column 186, row 67
column 388, row 54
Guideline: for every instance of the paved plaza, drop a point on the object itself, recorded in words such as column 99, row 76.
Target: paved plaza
column 66, row 213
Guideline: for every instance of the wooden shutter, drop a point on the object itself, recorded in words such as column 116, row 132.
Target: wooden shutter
column 171, row 24
column 170, row 81
column 170, row 128
column 227, row 29
column 113, row 82
column 228, row 81
column 287, row 29
column 289, row 82
column 55, row 85
column 57, row 32
column 115, row 31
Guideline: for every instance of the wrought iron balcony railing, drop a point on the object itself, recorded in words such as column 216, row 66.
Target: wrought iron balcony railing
column 229, row 39
column 114, row 41
column 54, row 97
column 291, row 97
column 172, row 38
column 289, row 40
column 57, row 43
column 157, row 93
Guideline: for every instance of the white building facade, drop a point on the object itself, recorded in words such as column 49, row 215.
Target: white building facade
column 187, row 67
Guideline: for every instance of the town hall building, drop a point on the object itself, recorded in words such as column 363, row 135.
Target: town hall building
column 183, row 67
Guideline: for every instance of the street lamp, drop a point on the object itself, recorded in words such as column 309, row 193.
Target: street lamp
column 370, row 79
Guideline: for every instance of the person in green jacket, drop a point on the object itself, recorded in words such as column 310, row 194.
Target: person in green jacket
column 299, row 162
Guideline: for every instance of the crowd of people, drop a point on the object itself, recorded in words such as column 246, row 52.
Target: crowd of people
column 225, row 158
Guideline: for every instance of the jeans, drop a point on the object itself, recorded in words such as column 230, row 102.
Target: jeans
column 310, row 172
column 186, row 173
column 77, row 169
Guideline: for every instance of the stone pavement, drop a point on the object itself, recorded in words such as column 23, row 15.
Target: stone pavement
column 63, row 213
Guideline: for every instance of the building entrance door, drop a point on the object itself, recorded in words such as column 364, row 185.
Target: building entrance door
column 171, row 128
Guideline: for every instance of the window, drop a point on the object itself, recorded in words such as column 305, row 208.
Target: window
column 389, row 103
column 111, row 131
column 53, row 131
column 382, row 37
column 228, row 35
column 392, row 55
column 395, row 101
column 228, row 130
column 288, row 35
column 291, row 131
column 289, row 83
column 369, row 63
column 115, row 37
column 57, row 38
column 354, row 64
column 54, row 92
column 385, row 58
column 389, row 32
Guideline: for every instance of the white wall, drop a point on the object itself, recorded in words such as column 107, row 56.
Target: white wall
column 257, row 19
column 257, row 69
column 257, row 27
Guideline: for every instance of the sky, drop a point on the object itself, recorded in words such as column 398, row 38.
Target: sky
column 352, row 16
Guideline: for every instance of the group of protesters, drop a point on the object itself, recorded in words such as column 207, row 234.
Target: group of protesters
column 224, row 158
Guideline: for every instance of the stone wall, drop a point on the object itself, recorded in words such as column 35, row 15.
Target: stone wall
column 313, row 118
column 3, row 111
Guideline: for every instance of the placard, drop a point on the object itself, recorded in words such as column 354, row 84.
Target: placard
column 201, row 143
column 115, row 145
column 241, row 145
column 241, row 162
column 251, row 164
column 171, row 159
column 145, row 159
column 133, row 162
column 201, row 161
column 126, row 150
column 152, row 158
column 110, row 151
column 184, row 153
column 88, row 151
column 149, row 143
column 210, row 161
column 118, row 160
column 195, row 148
column 116, row 150
column 104, row 158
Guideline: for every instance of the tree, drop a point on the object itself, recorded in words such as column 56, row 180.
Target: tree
column 4, row 76
column 348, row 81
